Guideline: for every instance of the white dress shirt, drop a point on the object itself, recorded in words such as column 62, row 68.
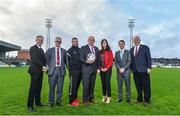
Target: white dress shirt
column 135, row 49
column 121, row 53
column 92, row 48
column 38, row 46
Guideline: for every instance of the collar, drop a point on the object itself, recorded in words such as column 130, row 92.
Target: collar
column 57, row 47
column 122, row 50
column 90, row 46
column 137, row 46
column 75, row 47
column 38, row 46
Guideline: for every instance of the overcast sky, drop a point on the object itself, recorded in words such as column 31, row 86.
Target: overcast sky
column 157, row 22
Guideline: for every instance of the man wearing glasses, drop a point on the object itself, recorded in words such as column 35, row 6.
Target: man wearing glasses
column 56, row 61
column 75, row 75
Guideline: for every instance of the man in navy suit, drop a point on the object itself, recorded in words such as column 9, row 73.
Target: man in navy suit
column 141, row 68
column 89, row 69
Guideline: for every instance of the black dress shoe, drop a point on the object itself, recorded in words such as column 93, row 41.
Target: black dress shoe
column 93, row 101
column 137, row 101
column 40, row 104
column 51, row 105
column 86, row 102
column 119, row 100
column 146, row 104
column 58, row 104
column 128, row 101
column 31, row 109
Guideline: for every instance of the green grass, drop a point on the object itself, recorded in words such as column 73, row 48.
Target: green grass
column 14, row 85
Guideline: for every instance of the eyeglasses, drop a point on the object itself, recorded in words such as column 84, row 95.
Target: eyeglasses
column 58, row 41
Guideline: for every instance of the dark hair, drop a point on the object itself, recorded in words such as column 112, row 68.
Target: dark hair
column 74, row 38
column 107, row 48
column 121, row 41
column 39, row 36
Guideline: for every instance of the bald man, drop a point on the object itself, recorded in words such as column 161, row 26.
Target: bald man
column 89, row 69
column 141, row 68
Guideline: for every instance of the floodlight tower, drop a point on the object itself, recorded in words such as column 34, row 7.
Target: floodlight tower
column 131, row 26
column 48, row 26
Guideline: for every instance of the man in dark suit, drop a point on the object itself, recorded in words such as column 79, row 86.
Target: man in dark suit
column 89, row 69
column 141, row 68
column 37, row 66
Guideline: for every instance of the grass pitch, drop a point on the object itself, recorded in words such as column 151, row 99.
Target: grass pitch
column 165, row 84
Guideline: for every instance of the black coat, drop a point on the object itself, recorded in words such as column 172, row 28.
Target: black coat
column 74, row 59
column 37, row 60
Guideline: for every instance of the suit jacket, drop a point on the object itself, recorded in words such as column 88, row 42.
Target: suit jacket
column 37, row 60
column 89, row 68
column 142, row 61
column 125, row 62
column 51, row 62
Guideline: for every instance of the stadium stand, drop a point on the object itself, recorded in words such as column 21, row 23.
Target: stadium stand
column 6, row 47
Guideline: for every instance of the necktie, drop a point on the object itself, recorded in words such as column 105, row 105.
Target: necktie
column 136, row 51
column 41, row 50
column 92, row 50
column 58, row 57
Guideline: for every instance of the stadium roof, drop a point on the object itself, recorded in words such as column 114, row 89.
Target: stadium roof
column 7, row 47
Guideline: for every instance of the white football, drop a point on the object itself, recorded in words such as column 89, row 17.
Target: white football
column 91, row 57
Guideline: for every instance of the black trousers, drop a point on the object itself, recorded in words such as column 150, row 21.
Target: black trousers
column 142, row 83
column 106, row 84
column 75, row 80
column 35, row 89
column 88, row 80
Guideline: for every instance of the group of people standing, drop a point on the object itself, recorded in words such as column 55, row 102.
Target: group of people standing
column 82, row 68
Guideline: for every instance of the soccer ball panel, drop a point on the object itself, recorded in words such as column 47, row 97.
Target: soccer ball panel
column 91, row 57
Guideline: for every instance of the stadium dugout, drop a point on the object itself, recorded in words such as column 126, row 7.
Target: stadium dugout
column 6, row 47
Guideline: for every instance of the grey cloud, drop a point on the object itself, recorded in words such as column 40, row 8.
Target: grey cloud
column 80, row 18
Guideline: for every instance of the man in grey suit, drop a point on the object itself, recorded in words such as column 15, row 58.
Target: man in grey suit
column 56, row 61
column 122, row 63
